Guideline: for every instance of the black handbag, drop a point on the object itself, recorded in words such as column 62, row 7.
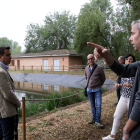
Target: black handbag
column 85, row 91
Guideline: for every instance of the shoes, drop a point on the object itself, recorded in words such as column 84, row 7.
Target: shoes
column 108, row 138
column 99, row 124
column 92, row 121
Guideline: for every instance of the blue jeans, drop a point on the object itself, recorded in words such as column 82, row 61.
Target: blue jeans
column 118, row 90
column 7, row 126
column 96, row 110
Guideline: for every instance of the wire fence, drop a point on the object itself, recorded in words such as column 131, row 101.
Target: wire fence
column 24, row 110
column 40, row 69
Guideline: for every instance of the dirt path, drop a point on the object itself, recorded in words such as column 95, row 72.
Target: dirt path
column 71, row 122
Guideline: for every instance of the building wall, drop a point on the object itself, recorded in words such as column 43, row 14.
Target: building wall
column 27, row 63
column 38, row 61
column 75, row 60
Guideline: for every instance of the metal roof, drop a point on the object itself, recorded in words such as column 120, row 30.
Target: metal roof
column 64, row 52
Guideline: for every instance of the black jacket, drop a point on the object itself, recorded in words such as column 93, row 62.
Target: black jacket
column 131, row 70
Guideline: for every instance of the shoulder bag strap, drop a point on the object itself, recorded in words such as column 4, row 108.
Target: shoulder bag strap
column 91, row 73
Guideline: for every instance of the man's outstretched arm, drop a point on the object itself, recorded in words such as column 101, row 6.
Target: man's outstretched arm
column 101, row 52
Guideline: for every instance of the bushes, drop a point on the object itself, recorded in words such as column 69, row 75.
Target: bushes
column 35, row 107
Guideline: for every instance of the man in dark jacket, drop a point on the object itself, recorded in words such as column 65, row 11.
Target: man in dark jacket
column 131, row 130
column 94, row 88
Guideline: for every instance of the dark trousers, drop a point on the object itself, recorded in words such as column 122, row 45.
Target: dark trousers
column 118, row 90
column 7, row 126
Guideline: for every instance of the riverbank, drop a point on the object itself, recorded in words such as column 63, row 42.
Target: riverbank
column 71, row 122
column 64, row 98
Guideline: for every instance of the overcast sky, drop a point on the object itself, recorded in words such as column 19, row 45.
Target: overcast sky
column 15, row 15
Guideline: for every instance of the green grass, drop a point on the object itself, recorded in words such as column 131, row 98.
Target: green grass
column 35, row 107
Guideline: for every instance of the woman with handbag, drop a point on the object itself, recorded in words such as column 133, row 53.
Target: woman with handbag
column 123, row 104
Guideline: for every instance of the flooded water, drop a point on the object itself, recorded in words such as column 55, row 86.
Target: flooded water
column 35, row 90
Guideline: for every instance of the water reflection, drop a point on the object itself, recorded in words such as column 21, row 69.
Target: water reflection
column 35, row 90
column 29, row 95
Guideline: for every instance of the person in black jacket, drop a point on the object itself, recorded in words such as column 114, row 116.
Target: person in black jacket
column 125, row 85
column 131, row 131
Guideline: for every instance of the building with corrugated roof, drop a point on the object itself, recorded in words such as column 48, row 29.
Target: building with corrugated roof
column 54, row 59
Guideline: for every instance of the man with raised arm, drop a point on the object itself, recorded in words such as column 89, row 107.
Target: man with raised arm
column 131, row 130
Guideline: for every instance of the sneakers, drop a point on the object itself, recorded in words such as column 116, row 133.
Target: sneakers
column 108, row 138
column 92, row 121
column 99, row 124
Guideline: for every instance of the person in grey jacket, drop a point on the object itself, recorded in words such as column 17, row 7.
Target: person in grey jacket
column 8, row 100
column 131, row 130
column 94, row 89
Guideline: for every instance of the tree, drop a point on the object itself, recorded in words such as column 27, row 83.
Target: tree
column 57, row 33
column 121, row 31
column 135, row 4
column 14, row 46
column 34, row 38
column 60, row 27
column 98, row 23
column 125, row 14
column 5, row 42
column 94, row 25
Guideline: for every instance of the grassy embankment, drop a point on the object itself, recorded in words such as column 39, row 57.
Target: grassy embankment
column 35, row 107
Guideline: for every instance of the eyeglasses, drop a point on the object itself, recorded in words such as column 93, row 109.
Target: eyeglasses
column 90, row 58
column 130, row 59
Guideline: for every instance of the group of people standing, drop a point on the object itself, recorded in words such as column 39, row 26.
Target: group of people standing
column 124, row 86
column 96, row 77
column 128, row 81
column 128, row 72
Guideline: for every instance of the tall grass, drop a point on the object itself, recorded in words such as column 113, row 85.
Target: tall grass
column 35, row 107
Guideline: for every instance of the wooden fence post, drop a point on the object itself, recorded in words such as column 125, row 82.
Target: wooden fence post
column 32, row 68
column 23, row 118
column 63, row 68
